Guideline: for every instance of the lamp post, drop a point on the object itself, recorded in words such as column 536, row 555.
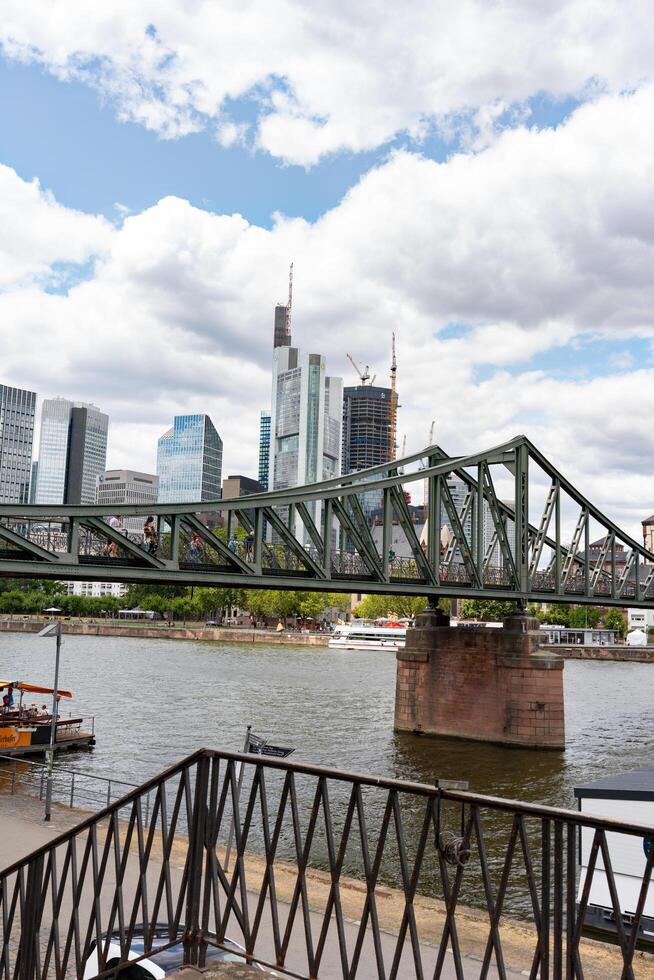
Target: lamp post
column 49, row 630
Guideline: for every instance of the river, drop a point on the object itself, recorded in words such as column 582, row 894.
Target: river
column 156, row 701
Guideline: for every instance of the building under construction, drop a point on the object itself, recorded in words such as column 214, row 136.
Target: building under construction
column 366, row 427
column 369, row 421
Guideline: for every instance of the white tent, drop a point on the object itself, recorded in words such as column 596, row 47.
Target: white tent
column 637, row 638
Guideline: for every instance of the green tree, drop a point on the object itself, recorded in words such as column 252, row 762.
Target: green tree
column 582, row 616
column 558, row 614
column 400, row 606
column 614, row 619
column 487, row 610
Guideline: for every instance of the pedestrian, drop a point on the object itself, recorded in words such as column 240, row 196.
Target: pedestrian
column 249, row 546
column 233, row 544
column 195, row 548
column 150, row 539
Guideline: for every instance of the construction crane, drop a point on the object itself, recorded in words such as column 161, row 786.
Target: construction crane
column 364, row 375
column 289, row 305
column 393, row 400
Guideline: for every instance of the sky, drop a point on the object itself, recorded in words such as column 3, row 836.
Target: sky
column 477, row 178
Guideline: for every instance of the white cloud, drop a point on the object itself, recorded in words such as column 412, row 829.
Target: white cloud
column 336, row 76
column 540, row 240
column 37, row 232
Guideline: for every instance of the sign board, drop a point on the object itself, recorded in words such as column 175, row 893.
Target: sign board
column 259, row 746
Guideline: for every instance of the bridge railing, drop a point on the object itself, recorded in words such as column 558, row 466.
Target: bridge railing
column 304, row 869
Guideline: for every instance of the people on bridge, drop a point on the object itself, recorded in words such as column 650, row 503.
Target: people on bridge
column 233, row 544
column 249, row 546
column 195, row 548
column 150, row 538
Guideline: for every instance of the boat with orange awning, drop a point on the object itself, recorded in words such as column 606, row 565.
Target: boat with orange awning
column 25, row 727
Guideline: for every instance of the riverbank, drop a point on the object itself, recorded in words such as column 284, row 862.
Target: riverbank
column 161, row 631
column 24, row 830
column 241, row 634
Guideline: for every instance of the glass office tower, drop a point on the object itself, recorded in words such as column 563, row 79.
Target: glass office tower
column 72, row 452
column 190, row 461
column 17, row 409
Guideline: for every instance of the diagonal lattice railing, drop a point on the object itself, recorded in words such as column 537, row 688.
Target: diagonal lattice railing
column 313, row 871
column 502, row 523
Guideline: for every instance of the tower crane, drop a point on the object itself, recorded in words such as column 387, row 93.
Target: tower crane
column 364, row 375
column 393, row 400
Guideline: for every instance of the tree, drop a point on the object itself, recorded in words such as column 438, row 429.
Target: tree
column 487, row 610
column 615, row 620
column 558, row 614
column 583, row 616
column 401, row 606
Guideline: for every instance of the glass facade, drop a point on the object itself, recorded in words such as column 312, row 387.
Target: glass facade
column 72, row 452
column 17, row 410
column 264, row 449
column 190, row 461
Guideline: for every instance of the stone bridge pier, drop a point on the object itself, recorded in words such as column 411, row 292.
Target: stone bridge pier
column 490, row 685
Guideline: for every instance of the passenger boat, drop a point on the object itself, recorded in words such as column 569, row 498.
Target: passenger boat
column 25, row 729
column 627, row 797
column 363, row 636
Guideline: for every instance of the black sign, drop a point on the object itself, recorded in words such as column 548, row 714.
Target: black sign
column 278, row 751
column 259, row 746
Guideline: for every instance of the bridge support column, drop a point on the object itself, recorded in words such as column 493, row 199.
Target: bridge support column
column 490, row 685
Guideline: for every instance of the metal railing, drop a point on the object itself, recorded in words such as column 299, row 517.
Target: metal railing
column 70, row 787
column 331, row 870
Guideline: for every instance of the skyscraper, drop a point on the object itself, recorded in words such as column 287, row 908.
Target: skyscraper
column 190, row 460
column 264, row 449
column 17, row 408
column 307, row 406
column 72, row 452
column 366, row 427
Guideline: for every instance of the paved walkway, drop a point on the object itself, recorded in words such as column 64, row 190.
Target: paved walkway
column 24, row 830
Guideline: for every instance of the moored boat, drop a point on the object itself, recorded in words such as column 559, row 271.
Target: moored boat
column 25, row 728
column 364, row 636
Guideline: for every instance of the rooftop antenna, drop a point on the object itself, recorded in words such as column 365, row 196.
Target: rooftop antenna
column 393, row 400
column 289, row 305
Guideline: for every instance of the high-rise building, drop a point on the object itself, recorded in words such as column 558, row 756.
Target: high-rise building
column 190, row 460
column 17, row 409
column 72, row 452
column 264, row 449
column 307, row 407
column 366, row 427
column 127, row 487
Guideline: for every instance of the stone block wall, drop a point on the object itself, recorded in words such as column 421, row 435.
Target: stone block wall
column 487, row 684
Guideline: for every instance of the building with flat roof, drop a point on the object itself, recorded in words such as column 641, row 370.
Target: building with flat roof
column 190, row 461
column 127, row 487
column 240, row 486
column 17, row 411
column 72, row 452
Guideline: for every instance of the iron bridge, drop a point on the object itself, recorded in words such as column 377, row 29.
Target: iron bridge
column 501, row 524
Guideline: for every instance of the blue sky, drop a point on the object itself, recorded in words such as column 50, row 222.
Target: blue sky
column 68, row 136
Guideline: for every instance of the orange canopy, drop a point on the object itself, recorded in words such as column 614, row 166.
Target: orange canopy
column 34, row 688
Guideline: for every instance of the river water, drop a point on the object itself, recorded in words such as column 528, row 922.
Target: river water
column 156, row 701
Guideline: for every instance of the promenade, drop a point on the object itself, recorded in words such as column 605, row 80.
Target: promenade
column 24, row 830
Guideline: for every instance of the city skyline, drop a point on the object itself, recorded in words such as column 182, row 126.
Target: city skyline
column 492, row 211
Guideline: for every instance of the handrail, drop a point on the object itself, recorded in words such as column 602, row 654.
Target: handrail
column 197, row 897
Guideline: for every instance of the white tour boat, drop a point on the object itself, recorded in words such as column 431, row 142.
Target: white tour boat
column 364, row 636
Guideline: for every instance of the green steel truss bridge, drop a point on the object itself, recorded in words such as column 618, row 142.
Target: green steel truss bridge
column 503, row 523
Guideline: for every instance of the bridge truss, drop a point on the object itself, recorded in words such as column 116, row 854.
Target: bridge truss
column 503, row 523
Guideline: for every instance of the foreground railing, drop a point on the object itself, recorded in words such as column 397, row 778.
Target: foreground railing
column 328, row 871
